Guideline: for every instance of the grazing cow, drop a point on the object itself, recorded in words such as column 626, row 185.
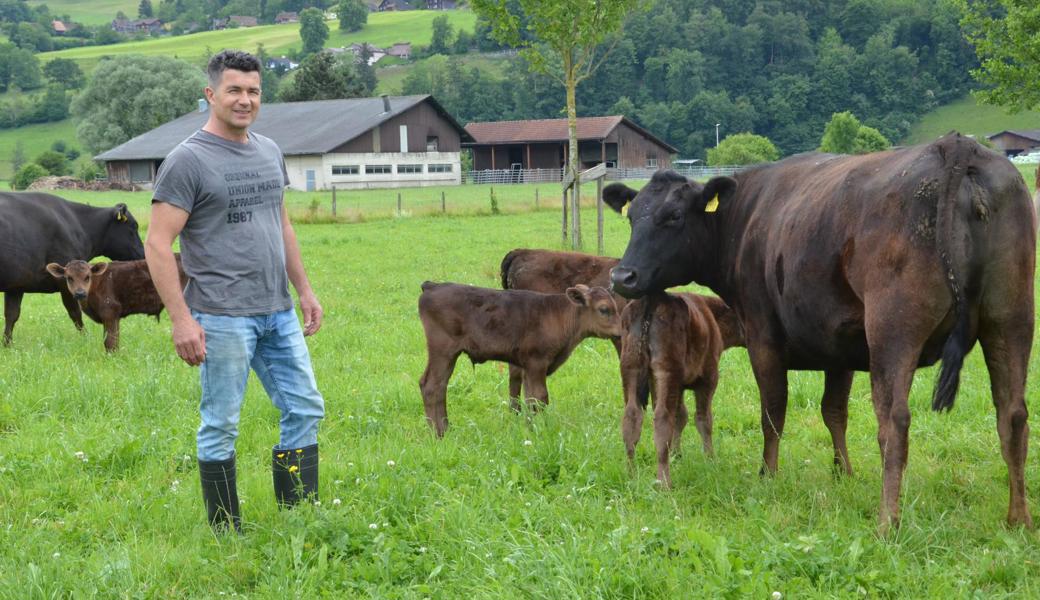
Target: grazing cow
column 36, row 229
column 534, row 331
column 107, row 292
column 673, row 341
column 882, row 262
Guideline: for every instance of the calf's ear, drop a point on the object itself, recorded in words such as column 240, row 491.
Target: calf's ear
column 617, row 195
column 717, row 192
column 579, row 294
column 98, row 268
column 56, row 270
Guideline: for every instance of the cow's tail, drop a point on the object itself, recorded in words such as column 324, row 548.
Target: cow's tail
column 507, row 263
column 956, row 157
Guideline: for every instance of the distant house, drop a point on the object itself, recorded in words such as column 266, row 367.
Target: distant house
column 129, row 27
column 282, row 64
column 242, row 21
column 400, row 141
column 58, row 28
column 616, row 140
column 1015, row 142
column 400, row 50
column 440, row 4
column 394, row 5
column 374, row 52
column 286, row 17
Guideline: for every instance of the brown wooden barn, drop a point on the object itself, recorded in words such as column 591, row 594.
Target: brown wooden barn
column 1014, row 142
column 542, row 144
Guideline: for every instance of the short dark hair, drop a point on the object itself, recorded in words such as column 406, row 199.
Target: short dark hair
column 230, row 59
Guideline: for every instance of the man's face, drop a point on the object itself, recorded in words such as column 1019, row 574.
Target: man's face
column 236, row 100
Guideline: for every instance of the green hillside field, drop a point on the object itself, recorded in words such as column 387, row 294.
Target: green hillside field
column 91, row 12
column 35, row 139
column 970, row 118
column 391, row 78
column 383, row 29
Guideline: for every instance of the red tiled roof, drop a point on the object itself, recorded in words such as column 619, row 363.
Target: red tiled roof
column 544, row 130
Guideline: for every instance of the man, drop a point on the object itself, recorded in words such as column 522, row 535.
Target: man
column 221, row 191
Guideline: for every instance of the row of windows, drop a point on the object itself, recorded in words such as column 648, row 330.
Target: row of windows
column 387, row 169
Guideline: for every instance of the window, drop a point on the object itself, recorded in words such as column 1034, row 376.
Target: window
column 408, row 169
column 431, row 143
column 378, row 169
column 345, row 169
column 651, row 162
column 438, row 168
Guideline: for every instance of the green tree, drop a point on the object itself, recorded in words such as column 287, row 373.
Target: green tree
column 53, row 162
column 151, row 91
column 27, row 175
column 743, row 149
column 322, row 77
column 1005, row 34
column 32, row 37
column 18, row 156
column 313, row 30
column 440, row 43
column 65, row 73
column 869, row 139
column 54, row 105
column 19, row 68
column 560, row 38
column 840, row 134
column 463, row 42
column 353, row 15
column 144, row 9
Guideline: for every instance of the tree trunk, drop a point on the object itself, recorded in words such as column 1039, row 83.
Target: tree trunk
column 572, row 160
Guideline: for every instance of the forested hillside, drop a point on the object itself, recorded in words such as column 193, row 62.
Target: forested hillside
column 778, row 69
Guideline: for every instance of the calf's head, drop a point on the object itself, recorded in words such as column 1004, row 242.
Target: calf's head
column 599, row 314
column 121, row 240
column 673, row 224
column 78, row 275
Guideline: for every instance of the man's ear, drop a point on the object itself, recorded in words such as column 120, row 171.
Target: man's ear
column 617, row 195
column 98, row 268
column 717, row 192
column 579, row 294
column 57, row 271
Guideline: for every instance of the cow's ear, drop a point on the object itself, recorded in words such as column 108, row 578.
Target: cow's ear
column 98, row 268
column 716, row 192
column 56, row 270
column 121, row 212
column 579, row 294
column 617, row 195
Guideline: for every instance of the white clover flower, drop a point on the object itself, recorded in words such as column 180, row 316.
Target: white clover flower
column 357, row 481
column 422, row 549
column 317, row 503
column 609, row 507
column 778, row 595
column 80, row 456
column 56, row 555
column 338, row 482
column 568, row 497
column 350, row 464
column 336, row 502
column 373, row 526
column 644, row 530
column 390, row 463
column 528, row 443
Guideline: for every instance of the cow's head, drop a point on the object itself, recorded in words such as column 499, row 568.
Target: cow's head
column 121, row 241
column 78, row 275
column 600, row 316
column 672, row 222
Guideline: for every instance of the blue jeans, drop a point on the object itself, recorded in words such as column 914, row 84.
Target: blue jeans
column 274, row 347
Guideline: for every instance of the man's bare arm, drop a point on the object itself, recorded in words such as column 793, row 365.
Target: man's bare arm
column 309, row 306
column 188, row 337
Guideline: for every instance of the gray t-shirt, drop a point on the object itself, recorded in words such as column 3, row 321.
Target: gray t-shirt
column 232, row 248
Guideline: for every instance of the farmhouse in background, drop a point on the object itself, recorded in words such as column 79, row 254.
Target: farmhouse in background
column 137, row 26
column 1013, row 142
column 399, row 141
column 286, row 17
column 617, row 141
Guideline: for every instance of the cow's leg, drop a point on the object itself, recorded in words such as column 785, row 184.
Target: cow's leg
column 434, row 386
column 112, row 335
column 536, row 393
column 1006, row 346
column 72, row 307
column 12, row 310
column 835, row 410
column 682, row 417
column 632, row 419
column 891, row 373
column 667, row 398
column 771, row 376
column 704, row 391
column 516, row 375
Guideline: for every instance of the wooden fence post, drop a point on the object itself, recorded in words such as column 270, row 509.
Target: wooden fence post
column 564, row 239
column 399, row 204
column 536, row 198
column 599, row 216
column 334, row 201
column 443, row 205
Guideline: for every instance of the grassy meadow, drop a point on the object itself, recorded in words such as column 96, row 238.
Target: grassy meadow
column 92, row 12
column 970, row 118
column 99, row 493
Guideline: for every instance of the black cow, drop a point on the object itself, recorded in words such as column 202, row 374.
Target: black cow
column 36, row 229
column 883, row 263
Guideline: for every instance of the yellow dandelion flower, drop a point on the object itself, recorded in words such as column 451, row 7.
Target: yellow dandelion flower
column 281, row 455
column 299, row 450
column 294, row 469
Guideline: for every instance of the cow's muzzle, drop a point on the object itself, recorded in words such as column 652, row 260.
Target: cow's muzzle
column 80, row 295
column 624, row 281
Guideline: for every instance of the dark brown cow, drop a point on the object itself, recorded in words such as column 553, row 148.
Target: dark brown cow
column 673, row 341
column 534, row 331
column 883, row 262
column 107, row 292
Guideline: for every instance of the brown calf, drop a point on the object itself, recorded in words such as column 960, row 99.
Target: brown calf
column 673, row 342
column 534, row 331
column 107, row 292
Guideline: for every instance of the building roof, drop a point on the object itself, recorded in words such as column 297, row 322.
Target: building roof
column 58, row 27
column 1029, row 134
column 552, row 130
column 332, row 123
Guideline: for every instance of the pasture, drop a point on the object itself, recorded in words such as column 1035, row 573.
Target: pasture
column 92, row 12
column 99, row 492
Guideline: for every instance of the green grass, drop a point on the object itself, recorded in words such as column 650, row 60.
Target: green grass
column 35, row 139
column 382, row 29
column 501, row 507
column 968, row 117
column 391, row 77
column 92, row 12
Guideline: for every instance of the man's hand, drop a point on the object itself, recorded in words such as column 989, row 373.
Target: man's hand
column 190, row 341
column 312, row 314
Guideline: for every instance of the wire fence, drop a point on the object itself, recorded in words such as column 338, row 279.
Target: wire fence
column 516, row 176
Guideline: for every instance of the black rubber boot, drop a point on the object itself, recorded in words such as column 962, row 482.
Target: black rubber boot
column 295, row 475
column 220, row 491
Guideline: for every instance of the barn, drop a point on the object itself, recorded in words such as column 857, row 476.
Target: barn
column 400, row 141
column 542, row 144
column 1014, row 142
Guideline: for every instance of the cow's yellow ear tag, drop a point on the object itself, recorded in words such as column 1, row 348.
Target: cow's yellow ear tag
column 713, row 205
